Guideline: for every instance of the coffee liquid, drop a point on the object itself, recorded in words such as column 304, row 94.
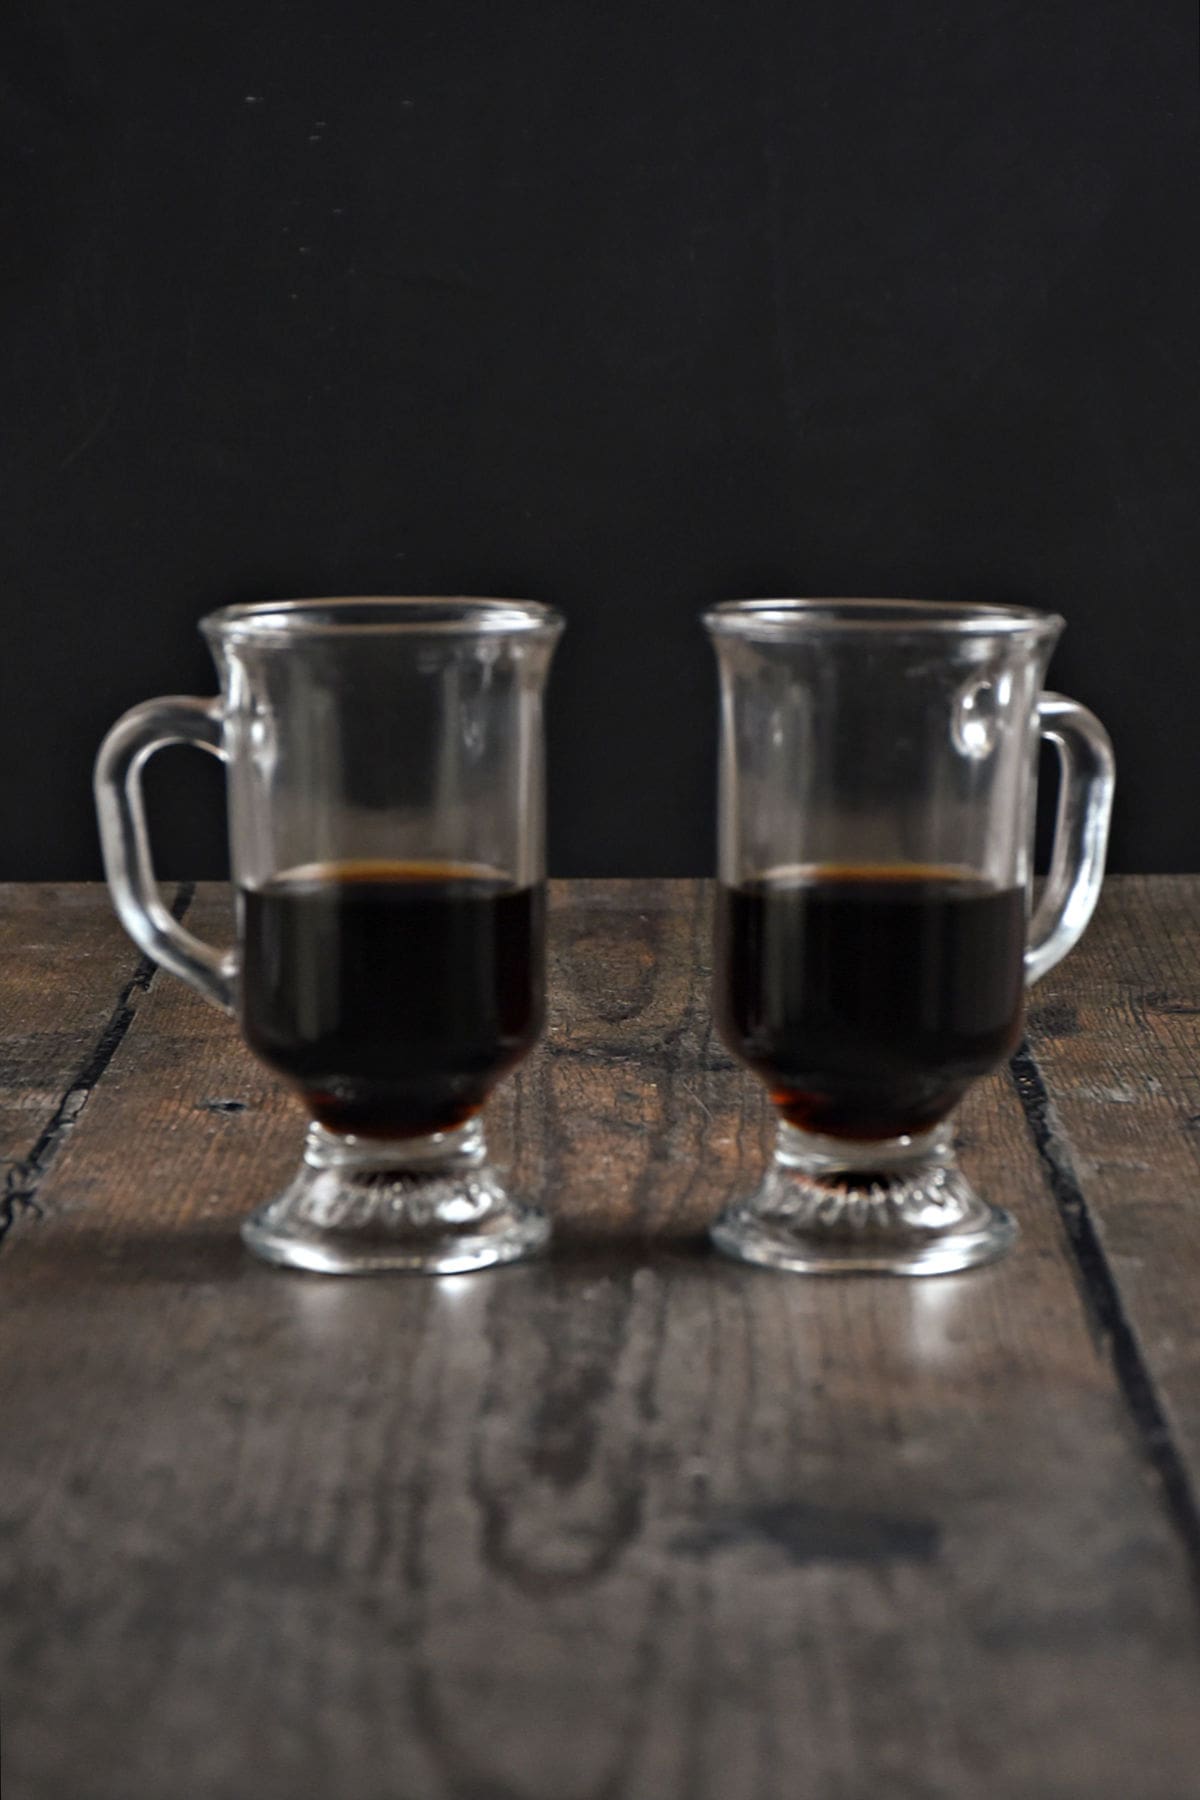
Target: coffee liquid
column 392, row 995
column 869, row 999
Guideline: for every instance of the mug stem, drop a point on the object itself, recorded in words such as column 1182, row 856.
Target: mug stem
column 431, row 1205
column 835, row 1207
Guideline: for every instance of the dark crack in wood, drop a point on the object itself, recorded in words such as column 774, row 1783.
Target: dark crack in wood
column 1106, row 1309
column 25, row 1177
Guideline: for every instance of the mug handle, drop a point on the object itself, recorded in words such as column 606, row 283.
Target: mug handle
column 125, row 843
column 1087, row 775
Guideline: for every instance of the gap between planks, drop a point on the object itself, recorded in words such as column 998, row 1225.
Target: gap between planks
column 26, row 1177
column 1105, row 1308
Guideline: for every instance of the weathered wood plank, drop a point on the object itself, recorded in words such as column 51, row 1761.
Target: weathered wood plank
column 67, row 966
column 1115, row 1032
column 632, row 1524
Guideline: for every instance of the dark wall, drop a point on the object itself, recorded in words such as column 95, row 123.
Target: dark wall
column 625, row 305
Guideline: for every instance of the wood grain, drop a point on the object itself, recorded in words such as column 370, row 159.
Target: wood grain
column 629, row 1524
column 1116, row 1034
column 71, row 979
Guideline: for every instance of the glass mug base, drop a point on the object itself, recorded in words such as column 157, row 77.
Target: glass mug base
column 827, row 1207
column 431, row 1206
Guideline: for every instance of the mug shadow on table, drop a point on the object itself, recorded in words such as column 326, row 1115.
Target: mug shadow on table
column 215, row 1253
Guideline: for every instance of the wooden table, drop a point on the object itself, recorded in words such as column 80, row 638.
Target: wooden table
column 629, row 1524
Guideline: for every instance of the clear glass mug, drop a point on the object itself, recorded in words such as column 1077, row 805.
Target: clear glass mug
column 878, row 772
column 384, row 766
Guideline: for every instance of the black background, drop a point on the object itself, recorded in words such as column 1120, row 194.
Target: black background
column 627, row 305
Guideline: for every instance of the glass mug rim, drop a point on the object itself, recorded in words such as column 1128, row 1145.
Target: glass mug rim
column 363, row 615
column 787, row 617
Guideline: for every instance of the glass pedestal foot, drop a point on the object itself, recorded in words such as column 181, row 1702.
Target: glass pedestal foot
column 902, row 1207
column 432, row 1206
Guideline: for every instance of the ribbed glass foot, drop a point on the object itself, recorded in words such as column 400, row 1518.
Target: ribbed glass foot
column 431, row 1205
column 902, row 1207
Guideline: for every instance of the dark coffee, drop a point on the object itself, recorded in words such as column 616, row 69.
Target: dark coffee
column 393, row 995
column 869, row 999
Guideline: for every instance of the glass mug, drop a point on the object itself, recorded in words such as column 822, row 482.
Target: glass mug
column 385, row 785
column 878, row 772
